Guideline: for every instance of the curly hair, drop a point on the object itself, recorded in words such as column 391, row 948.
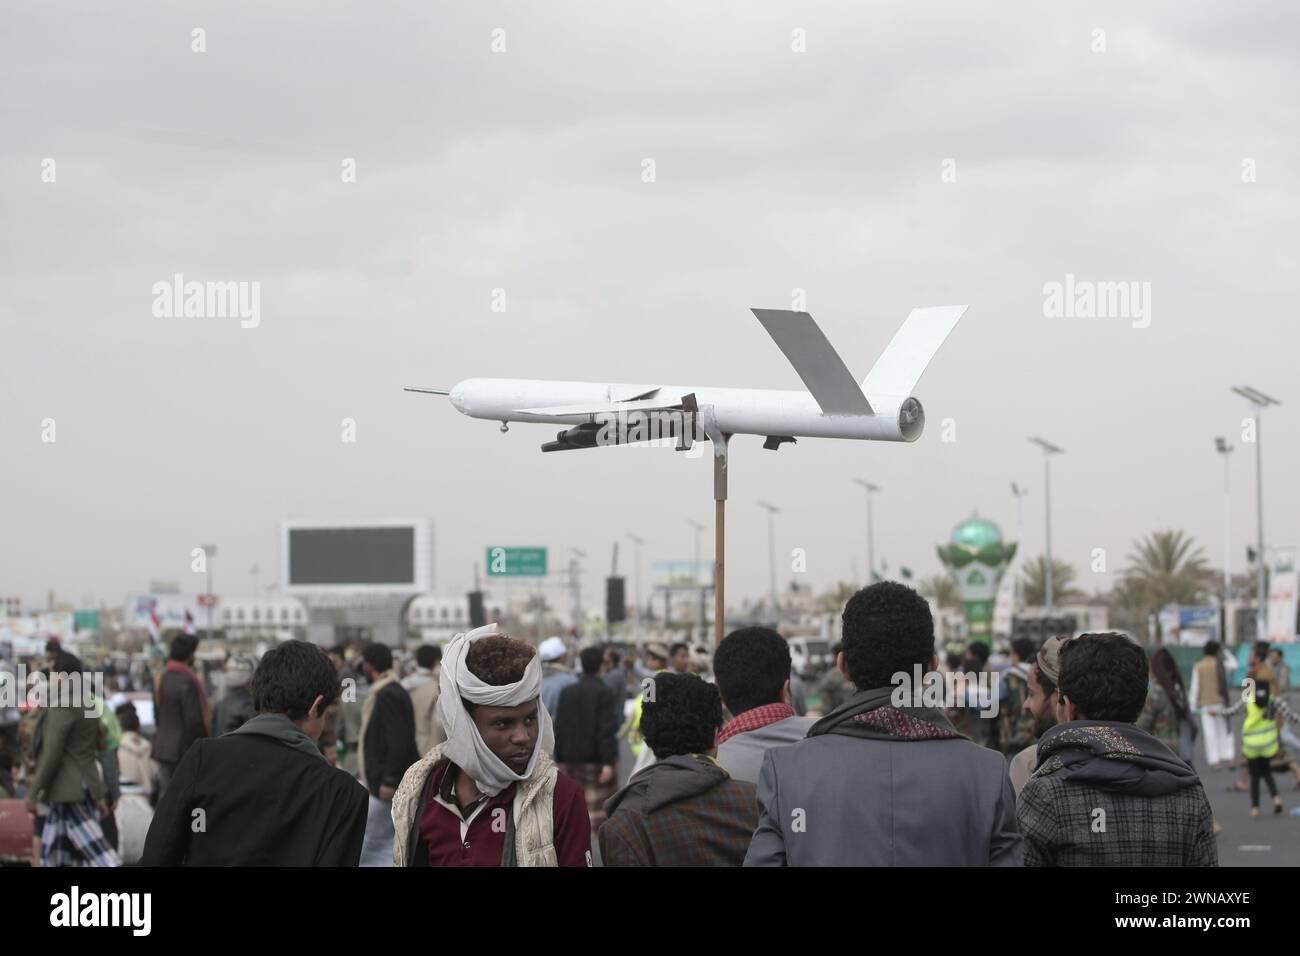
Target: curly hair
column 499, row 659
column 681, row 714
column 751, row 666
column 887, row 628
column 1105, row 675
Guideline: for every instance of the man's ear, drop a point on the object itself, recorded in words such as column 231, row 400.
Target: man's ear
column 318, row 707
column 785, row 692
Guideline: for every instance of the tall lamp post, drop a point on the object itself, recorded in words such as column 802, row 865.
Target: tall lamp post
column 871, row 554
column 209, row 552
column 1223, row 448
column 1018, row 585
column 1048, row 451
column 695, row 573
column 772, row 511
column 636, row 577
column 1260, row 401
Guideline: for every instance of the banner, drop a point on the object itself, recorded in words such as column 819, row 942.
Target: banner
column 1282, row 596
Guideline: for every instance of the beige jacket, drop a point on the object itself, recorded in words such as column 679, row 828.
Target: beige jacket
column 428, row 726
column 534, row 820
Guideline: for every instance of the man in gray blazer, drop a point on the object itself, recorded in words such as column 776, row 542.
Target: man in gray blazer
column 752, row 670
column 880, row 781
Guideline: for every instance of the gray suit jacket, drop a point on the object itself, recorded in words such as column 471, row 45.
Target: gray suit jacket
column 834, row 800
column 742, row 755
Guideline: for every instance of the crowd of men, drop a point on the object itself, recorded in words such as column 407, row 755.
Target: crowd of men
column 494, row 752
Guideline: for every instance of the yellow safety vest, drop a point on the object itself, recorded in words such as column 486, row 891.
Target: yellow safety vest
column 1259, row 736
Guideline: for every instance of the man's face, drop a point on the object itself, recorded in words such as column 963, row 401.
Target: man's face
column 681, row 660
column 1039, row 705
column 1275, row 658
column 655, row 663
column 509, row 732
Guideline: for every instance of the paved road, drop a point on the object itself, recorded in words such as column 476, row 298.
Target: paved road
column 1267, row 841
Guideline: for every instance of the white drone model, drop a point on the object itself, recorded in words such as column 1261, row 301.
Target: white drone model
column 835, row 406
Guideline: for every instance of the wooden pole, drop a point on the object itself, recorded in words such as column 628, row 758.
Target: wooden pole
column 719, row 541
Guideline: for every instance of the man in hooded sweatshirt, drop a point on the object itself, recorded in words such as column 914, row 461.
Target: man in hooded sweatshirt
column 1105, row 792
column 684, row 809
column 264, row 795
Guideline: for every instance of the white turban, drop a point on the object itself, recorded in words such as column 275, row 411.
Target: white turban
column 465, row 746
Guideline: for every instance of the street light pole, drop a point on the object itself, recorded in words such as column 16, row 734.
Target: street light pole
column 636, row 576
column 772, row 510
column 209, row 551
column 871, row 544
column 1260, row 401
column 695, row 573
column 1018, row 586
column 1223, row 448
column 1048, row 451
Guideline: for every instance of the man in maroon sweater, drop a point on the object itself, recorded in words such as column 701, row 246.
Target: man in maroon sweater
column 490, row 794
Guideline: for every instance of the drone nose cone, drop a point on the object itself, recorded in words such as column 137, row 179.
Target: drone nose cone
column 459, row 396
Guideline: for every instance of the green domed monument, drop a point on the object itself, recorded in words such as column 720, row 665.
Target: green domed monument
column 977, row 558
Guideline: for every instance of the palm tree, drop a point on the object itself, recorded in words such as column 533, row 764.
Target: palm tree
column 1168, row 567
column 942, row 590
column 1063, row 576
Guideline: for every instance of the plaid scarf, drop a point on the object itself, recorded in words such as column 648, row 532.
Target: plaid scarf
column 755, row 719
column 893, row 722
column 870, row 714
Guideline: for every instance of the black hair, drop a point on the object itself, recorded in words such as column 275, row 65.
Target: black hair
column 290, row 677
column 1023, row 648
column 615, row 656
column 979, row 651
column 887, row 629
column 954, row 660
column 1105, row 675
column 681, row 715
column 428, row 655
column 1261, row 650
column 128, row 717
column 52, row 646
column 1211, row 648
column 592, row 657
column 340, row 649
column 183, row 647
column 379, row 656
column 751, row 666
column 67, row 663
column 679, row 646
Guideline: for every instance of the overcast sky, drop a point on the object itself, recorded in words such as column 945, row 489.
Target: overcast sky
column 1117, row 156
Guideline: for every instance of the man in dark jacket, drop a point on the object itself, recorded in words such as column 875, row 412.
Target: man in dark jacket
column 181, row 713
column 586, row 745
column 1106, row 793
column 236, row 706
column 263, row 795
column 684, row 809
column 387, row 749
column 66, row 774
column 880, row 781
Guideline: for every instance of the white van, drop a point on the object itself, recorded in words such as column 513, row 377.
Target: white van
column 810, row 656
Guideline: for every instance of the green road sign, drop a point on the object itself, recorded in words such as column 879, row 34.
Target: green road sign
column 516, row 562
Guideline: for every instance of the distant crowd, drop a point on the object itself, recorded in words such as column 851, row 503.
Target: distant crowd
column 493, row 751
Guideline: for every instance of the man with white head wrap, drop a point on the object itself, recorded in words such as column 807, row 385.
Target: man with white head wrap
column 490, row 794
